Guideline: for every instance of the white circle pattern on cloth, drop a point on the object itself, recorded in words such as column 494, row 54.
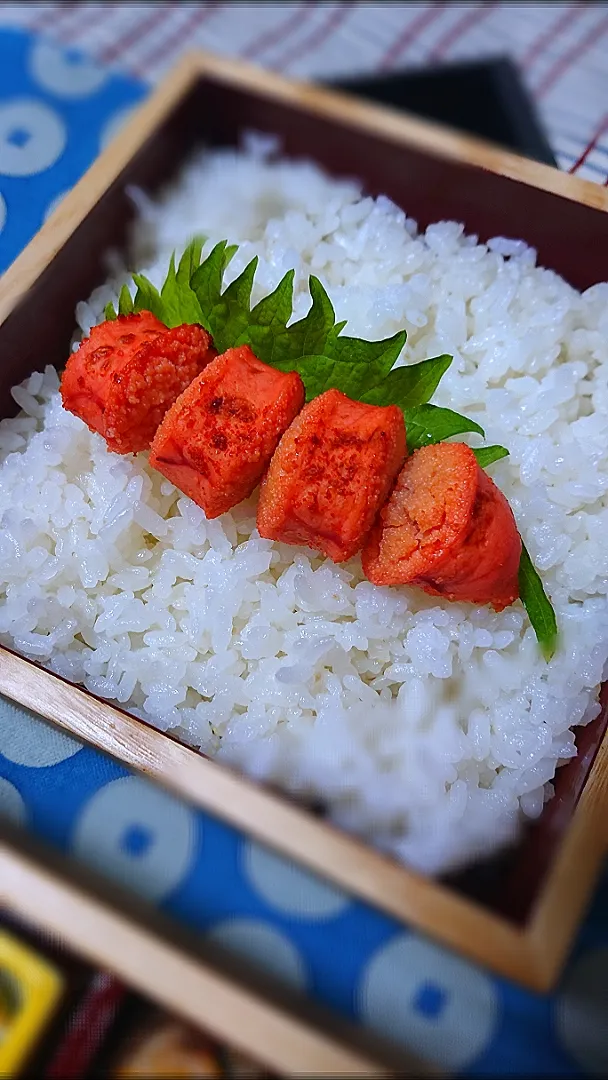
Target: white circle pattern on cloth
column 288, row 887
column 32, row 137
column 2, row 212
column 64, row 72
column 25, row 739
column 12, row 806
column 263, row 947
column 54, row 203
column 436, row 1004
column 116, row 122
column 137, row 835
column 581, row 1012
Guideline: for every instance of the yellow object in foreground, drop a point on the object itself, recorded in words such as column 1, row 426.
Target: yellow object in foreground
column 30, row 989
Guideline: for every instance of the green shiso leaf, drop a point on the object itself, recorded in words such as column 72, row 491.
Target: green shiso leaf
column 283, row 346
column 147, row 297
column 190, row 261
column 372, row 359
column 362, row 367
column 315, row 347
column 487, row 455
column 180, row 302
column 229, row 316
column 426, row 424
column 309, row 335
column 206, row 281
column 409, row 386
column 537, row 604
column 320, row 373
column 267, row 321
column 125, row 302
column 170, row 296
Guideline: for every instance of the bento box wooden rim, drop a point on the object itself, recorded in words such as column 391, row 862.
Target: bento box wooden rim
column 532, row 955
column 104, row 932
column 427, row 136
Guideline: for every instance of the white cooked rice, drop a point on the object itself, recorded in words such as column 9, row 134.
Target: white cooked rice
column 428, row 728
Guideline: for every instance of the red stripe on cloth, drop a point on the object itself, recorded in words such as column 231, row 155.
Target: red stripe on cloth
column 590, row 147
column 73, row 19
column 550, row 33
column 52, row 13
column 468, row 21
column 67, row 16
column 180, row 36
column 570, row 57
column 86, row 1029
column 138, row 33
column 409, row 34
column 87, row 21
column 279, row 33
column 320, row 35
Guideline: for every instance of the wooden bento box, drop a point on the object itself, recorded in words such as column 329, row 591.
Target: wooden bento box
column 517, row 914
column 97, row 923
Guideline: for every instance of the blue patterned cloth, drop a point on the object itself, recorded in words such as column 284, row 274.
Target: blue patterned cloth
column 56, row 111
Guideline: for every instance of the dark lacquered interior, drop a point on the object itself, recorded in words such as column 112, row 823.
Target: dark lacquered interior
column 570, row 238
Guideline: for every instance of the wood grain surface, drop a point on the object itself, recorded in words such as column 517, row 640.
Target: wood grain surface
column 184, row 985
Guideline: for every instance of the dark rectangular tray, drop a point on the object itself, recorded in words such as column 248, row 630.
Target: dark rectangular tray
column 486, row 98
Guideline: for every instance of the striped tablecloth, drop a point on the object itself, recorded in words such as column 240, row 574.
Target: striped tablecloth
column 561, row 49
column 57, row 110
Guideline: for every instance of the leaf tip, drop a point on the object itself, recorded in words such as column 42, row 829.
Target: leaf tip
column 548, row 647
